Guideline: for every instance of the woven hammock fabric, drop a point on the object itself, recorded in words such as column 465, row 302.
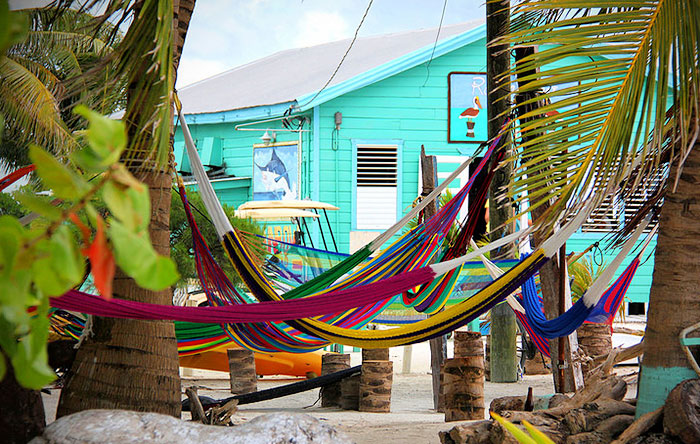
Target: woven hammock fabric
column 603, row 312
column 268, row 311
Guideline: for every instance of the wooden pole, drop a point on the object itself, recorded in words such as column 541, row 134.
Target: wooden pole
column 503, row 360
column 331, row 363
column 241, row 364
column 463, row 379
column 375, row 386
column 438, row 346
column 551, row 281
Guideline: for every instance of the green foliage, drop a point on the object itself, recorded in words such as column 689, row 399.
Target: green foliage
column 452, row 233
column 619, row 81
column 583, row 272
column 181, row 237
column 47, row 258
column 9, row 206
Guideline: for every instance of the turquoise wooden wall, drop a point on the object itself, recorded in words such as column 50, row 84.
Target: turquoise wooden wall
column 409, row 107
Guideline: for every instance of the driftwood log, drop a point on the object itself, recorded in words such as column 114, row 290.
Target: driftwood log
column 682, row 412
column 587, row 417
column 241, row 365
column 375, row 386
column 332, row 363
column 640, row 426
column 475, row 433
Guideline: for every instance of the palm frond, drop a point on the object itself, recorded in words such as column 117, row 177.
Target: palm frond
column 606, row 75
column 29, row 105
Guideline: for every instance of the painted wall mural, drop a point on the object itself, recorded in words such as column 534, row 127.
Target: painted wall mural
column 466, row 107
column 276, row 171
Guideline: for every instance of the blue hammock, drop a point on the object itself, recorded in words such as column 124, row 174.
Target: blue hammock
column 539, row 328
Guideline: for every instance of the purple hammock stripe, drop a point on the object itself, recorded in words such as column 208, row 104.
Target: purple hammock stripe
column 268, row 311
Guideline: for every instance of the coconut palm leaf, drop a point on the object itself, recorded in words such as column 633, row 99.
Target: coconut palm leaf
column 606, row 76
column 148, row 114
column 28, row 104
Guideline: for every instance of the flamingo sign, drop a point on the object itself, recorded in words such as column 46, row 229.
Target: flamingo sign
column 466, row 107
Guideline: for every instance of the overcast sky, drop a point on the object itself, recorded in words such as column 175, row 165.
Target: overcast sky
column 226, row 34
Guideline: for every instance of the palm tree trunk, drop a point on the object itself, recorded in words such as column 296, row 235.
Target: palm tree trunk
column 673, row 302
column 130, row 364
column 23, row 410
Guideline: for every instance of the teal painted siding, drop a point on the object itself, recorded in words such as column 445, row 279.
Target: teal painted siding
column 410, row 107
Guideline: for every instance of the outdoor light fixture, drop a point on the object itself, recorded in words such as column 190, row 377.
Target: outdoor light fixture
column 268, row 138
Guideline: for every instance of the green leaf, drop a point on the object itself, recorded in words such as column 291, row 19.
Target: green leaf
column 42, row 205
column 162, row 274
column 55, row 269
column 3, row 367
column 107, row 137
column 11, row 236
column 521, row 436
column 130, row 206
column 13, row 26
column 135, row 255
column 64, row 182
column 31, row 366
column 65, row 257
column 537, row 435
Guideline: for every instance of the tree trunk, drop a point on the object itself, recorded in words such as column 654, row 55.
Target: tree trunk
column 23, row 410
column 673, row 301
column 130, row 364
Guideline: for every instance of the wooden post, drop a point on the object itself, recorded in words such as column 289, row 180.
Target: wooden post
column 504, row 362
column 376, row 354
column 241, row 365
column 350, row 393
column 438, row 346
column 375, row 386
column 463, row 378
column 550, row 273
column 331, row 363
column 468, row 343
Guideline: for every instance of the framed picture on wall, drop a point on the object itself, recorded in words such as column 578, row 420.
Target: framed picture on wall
column 276, row 171
column 467, row 118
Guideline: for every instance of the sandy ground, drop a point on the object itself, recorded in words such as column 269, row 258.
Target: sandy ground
column 412, row 418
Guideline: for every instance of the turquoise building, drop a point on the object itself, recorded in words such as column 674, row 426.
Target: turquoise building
column 297, row 124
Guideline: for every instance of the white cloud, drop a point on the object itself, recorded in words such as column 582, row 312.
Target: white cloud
column 195, row 69
column 316, row 27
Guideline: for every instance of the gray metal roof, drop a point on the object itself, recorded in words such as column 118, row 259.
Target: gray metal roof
column 287, row 75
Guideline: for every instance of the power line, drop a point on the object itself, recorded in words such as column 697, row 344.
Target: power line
column 344, row 56
column 437, row 37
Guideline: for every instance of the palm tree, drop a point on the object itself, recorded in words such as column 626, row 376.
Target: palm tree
column 34, row 99
column 132, row 364
column 625, row 80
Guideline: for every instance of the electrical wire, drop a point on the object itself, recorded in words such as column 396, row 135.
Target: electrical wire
column 357, row 31
column 437, row 37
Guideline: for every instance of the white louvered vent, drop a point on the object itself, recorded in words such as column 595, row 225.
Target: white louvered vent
column 376, row 166
column 377, row 175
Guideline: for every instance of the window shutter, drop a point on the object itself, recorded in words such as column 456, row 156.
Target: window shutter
column 377, row 176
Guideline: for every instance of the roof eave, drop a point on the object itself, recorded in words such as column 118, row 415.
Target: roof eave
column 391, row 68
column 240, row 114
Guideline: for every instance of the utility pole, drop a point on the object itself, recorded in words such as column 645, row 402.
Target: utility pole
column 503, row 360
column 438, row 346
